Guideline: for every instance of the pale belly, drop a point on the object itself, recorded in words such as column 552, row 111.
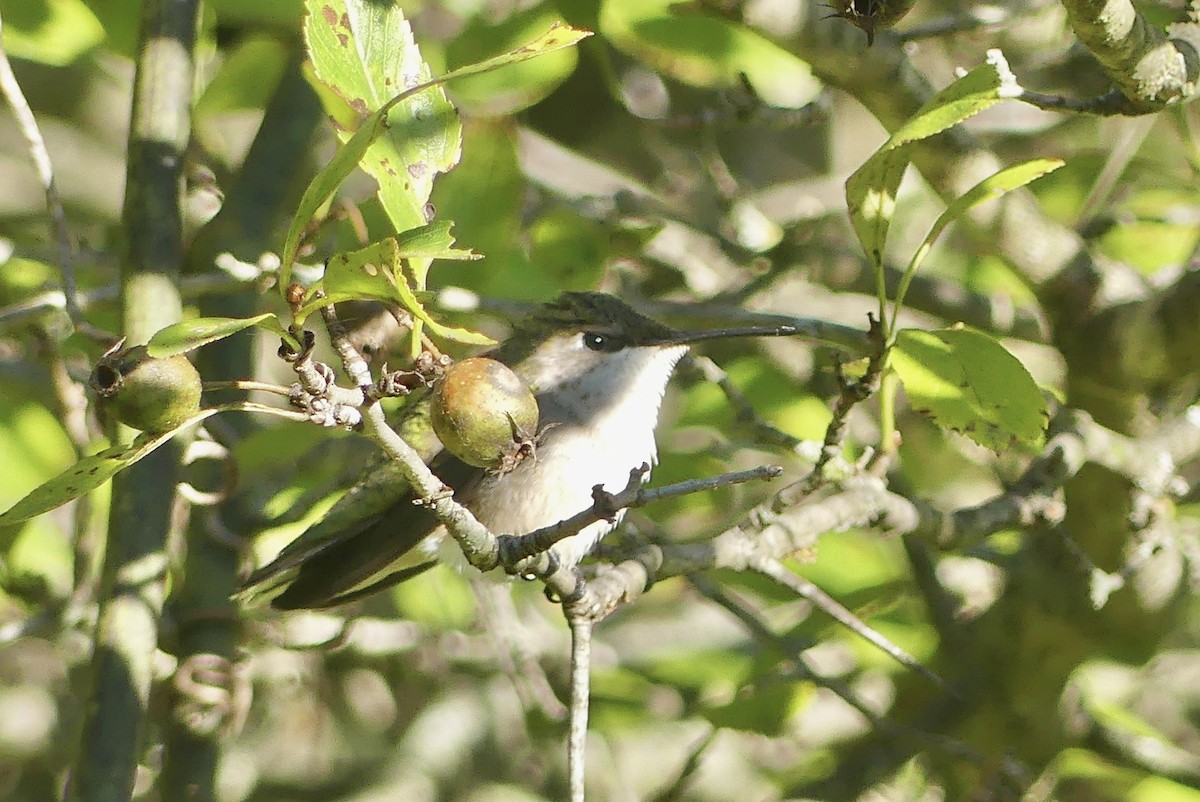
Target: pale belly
column 558, row 484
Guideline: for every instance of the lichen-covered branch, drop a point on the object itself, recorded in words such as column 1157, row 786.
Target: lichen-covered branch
column 209, row 685
column 132, row 584
column 1151, row 68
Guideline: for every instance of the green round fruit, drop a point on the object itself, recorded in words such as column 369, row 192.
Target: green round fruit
column 871, row 15
column 145, row 392
column 484, row 414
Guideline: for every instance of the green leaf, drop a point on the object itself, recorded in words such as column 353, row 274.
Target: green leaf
column 994, row 186
column 1154, row 788
column 706, row 51
column 871, row 191
column 510, row 89
column 323, row 185
column 364, row 274
column 54, row 32
column 989, row 188
column 410, row 302
column 370, row 273
column 92, row 471
column 33, row 448
column 969, row 383
column 365, row 52
column 188, row 334
column 432, row 241
column 376, row 273
column 355, row 148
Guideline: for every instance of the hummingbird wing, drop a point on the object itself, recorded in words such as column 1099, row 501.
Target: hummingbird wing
column 363, row 538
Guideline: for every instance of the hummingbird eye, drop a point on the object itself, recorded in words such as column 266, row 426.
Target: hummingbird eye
column 604, row 343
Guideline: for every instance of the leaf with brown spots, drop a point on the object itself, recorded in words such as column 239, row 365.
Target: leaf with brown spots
column 93, row 471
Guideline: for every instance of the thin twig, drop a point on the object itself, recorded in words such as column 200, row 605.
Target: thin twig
column 803, row 670
column 503, row 627
column 850, row 395
column 1129, row 137
column 249, row 386
column 777, row 571
column 790, row 648
column 581, row 664
column 860, row 501
column 514, row 548
column 744, row 412
column 352, row 360
column 54, row 204
column 478, row 544
column 1076, row 440
column 51, row 300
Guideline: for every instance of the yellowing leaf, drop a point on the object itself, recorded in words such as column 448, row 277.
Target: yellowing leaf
column 969, row 383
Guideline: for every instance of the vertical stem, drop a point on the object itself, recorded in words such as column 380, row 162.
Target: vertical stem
column 581, row 664
column 889, row 385
column 201, row 606
column 132, row 583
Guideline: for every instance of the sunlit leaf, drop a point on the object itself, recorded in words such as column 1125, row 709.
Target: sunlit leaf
column 871, row 190
column 992, row 187
column 969, row 383
column 370, row 273
column 1154, row 788
column 364, row 274
column 433, row 241
column 323, row 185
column 188, row 334
column 409, row 301
column 92, row 471
column 54, row 32
column 704, row 50
column 328, row 32
column 366, row 53
column 377, row 273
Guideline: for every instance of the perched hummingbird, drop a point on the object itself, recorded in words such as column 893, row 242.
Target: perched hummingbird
column 598, row 370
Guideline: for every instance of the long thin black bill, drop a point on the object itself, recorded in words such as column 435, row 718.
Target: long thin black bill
column 682, row 337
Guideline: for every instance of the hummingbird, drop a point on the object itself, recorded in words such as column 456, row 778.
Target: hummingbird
column 598, row 370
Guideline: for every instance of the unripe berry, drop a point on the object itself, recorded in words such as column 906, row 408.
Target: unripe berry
column 484, row 414
column 872, row 15
column 145, row 392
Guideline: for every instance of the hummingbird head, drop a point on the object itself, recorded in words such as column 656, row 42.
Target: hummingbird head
column 590, row 333
column 597, row 345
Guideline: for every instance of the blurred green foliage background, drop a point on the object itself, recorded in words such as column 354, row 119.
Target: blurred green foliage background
column 690, row 151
